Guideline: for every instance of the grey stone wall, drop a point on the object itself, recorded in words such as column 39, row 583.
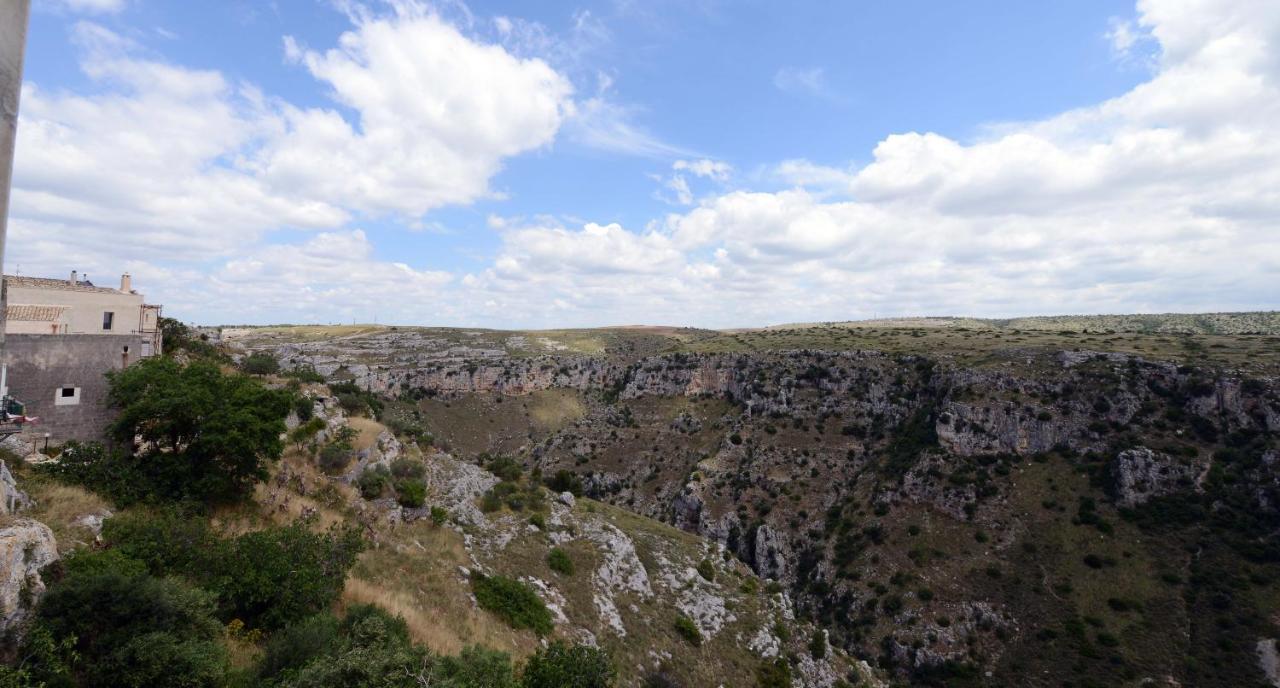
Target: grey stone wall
column 40, row 365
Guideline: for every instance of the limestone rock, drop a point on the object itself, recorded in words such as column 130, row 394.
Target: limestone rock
column 12, row 500
column 1141, row 474
column 26, row 547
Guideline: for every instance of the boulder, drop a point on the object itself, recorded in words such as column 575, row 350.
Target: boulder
column 26, row 547
column 1140, row 474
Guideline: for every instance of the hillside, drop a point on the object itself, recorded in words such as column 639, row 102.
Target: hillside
column 1043, row 507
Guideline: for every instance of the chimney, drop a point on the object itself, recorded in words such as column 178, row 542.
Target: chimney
column 126, row 283
column 73, row 276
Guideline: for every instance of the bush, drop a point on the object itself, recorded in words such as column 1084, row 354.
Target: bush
column 411, row 493
column 136, row 630
column 166, row 541
column 774, row 674
column 273, row 577
column 564, row 666
column 334, row 457
column 559, row 561
column 297, row 645
column 707, row 570
column 438, row 516
column 818, row 644
column 304, row 374
column 688, row 630
column 405, row 468
column 304, row 407
column 373, row 482
column 474, row 667
column 260, row 363
column 565, row 481
column 512, row 601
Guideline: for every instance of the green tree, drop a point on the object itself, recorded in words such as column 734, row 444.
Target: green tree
column 568, row 666
column 195, row 432
column 136, row 630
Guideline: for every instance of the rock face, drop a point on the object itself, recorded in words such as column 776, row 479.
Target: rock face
column 26, row 547
column 12, row 499
column 1140, row 474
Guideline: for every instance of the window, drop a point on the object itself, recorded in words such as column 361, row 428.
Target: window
column 108, row 319
column 67, row 395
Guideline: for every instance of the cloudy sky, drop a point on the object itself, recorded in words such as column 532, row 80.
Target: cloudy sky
column 692, row 162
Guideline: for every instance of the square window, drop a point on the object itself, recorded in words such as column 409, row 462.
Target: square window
column 108, row 319
column 66, row 395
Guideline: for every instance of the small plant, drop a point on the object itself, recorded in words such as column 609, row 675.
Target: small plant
column 374, row 482
column 405, row 468
column 539, row 521
column 411, row 493
column 334, row 457
column 818, row 644
column 438, row 516
column 688, row 630
column 260, row 363
column 559, row 561
column 707, row 570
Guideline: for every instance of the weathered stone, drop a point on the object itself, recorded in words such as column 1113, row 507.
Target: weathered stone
column 26, row 547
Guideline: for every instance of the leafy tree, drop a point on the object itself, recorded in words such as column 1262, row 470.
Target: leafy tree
column 176, row 336
column 195, row 432
column 276, row 576
column 373, row 482
column 568, row 666
column 373, row 650
column 136, row 630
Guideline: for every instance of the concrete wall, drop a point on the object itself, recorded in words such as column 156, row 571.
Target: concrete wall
column 41, row 366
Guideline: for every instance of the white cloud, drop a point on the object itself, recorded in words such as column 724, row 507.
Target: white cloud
column 608, row 126
column 1164, row 198
column 711, row 169
column 89, row 6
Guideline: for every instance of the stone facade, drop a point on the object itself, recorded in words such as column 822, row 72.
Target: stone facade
column 62, row 379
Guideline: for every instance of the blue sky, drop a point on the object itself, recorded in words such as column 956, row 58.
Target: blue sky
column 705, row 163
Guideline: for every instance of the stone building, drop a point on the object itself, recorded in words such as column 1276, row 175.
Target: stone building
column 61, row 338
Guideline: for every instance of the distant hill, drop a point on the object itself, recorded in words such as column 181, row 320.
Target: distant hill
column 1257, row 322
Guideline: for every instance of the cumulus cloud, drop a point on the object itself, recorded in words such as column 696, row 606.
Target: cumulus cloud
column 181, row 164
column 1164, row 198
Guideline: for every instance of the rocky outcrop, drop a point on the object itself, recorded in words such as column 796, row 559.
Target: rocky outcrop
column 12, row 500
column 26, row 548
column 1140, row 474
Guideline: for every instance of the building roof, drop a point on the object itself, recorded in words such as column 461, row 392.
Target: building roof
column 60, row 284
column 32, row 313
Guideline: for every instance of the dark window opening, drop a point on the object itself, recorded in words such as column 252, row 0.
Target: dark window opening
column 108, row 319
column 68, row 392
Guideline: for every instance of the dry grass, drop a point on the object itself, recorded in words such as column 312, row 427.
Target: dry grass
column 59, row 506
column 368, row 430
column 417, row 577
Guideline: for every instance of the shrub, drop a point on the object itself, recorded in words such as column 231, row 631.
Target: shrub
column 167, row 541
column 565, row 481
column 512, row 601
column 688, row 630
column 707, row 570
column 568, row 666
column 304, row 374
column 136, row 630
column 405, row 468
column 773, row 674
column 334, row 457
column 297, row 645
column 438, row 516
column 304, row 408
column 273, row 577
column 559, row 561
column 373, row 649
column 411, row 493
column 260, row 363
column 505, row 468
column 818, row 644
column 474, row 667
column 374, row 482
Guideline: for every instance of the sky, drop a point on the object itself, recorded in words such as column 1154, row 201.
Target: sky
column 713, row 163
